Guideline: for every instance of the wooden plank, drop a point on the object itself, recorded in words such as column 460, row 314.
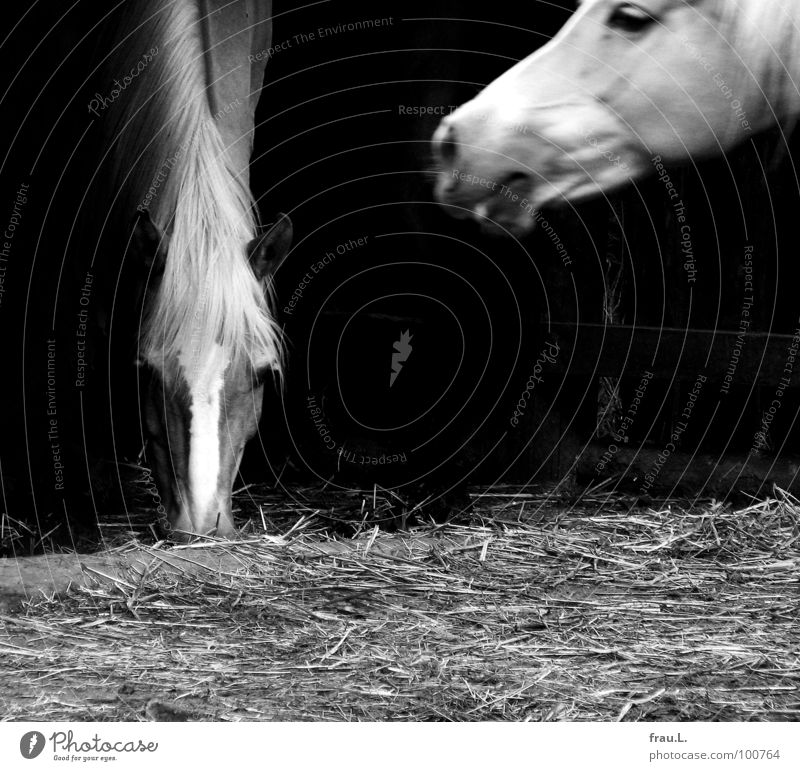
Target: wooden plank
column 618, row 350
column 688, row 474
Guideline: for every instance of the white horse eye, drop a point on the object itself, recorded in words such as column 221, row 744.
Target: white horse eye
column 629, row 18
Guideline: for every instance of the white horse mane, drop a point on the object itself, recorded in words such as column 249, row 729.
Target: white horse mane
column 164, row 129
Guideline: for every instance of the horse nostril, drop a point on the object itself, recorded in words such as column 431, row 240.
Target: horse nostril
column 447, row 145
column 518, row 181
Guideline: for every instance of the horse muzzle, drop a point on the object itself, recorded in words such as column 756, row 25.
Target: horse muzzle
column 504, row 170
column 476, row 181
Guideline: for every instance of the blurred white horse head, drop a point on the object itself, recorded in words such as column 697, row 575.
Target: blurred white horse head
column 622, row 87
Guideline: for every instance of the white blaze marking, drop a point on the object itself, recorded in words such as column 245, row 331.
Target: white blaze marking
column 205, row 381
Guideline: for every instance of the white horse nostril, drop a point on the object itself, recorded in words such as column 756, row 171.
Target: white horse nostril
column 447, row 144
column 517, row 180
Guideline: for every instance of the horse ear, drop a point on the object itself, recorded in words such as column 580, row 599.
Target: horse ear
column 149, row 242
column 267, row 251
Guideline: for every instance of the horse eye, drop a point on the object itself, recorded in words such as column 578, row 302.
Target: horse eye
column 629, row 18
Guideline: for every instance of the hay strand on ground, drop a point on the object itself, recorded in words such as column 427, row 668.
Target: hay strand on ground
column 531, row 610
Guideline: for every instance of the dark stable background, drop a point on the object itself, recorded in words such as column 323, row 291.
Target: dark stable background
column 336, row 148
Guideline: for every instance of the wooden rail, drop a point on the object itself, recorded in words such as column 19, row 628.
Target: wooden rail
column 612, row 351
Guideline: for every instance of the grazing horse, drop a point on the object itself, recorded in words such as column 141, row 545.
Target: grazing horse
column 179, row 129
column 622, row 88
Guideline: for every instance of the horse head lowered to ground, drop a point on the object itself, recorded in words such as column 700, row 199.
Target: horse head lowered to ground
column 179, row 140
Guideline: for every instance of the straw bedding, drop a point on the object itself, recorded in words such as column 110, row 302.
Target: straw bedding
column 532, row 607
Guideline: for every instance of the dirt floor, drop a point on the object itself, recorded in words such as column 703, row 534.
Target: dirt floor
column 532, row 607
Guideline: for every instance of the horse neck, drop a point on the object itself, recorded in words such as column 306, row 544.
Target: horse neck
column 766, row 37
